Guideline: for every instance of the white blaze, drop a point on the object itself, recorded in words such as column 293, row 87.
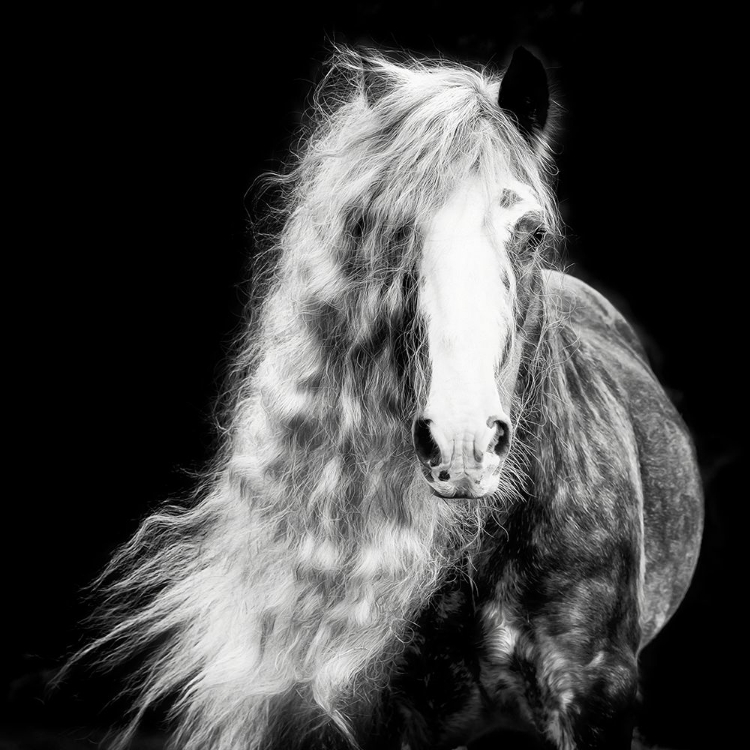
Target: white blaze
column 466, row 297
column 467, row 312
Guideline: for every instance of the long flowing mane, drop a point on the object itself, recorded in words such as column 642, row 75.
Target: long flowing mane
column 312, row 544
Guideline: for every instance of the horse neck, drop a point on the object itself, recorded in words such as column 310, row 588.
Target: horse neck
column 544, row 389
column 546, row 342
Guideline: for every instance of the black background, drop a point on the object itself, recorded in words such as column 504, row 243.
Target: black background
column 136, row 136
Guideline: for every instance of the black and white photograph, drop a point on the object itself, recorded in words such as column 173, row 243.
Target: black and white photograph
column 377, row 378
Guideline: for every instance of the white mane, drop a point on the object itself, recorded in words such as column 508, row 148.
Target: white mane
column 313, row 544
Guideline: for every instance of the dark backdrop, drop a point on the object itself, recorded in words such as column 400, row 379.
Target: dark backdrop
column 136, row 136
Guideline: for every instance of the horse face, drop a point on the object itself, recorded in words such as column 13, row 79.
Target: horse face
column 467, row 298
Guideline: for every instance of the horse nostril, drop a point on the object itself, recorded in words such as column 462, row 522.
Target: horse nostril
column 425, row 445
column 500, row 443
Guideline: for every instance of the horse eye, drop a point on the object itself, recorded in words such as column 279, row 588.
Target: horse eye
column 531, row 234
column 537, row 237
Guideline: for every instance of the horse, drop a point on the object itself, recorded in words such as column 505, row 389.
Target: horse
column 452, row 497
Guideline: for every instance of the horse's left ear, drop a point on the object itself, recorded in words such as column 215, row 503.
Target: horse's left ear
column 524, row 92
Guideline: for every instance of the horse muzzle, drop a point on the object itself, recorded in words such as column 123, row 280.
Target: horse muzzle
column 462, row 462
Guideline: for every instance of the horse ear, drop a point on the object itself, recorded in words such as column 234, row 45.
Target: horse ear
column 524, row 92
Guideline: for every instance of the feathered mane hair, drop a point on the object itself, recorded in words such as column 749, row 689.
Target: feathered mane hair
column 295, row 575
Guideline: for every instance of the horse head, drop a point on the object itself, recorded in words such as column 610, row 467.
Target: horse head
column 469, row 298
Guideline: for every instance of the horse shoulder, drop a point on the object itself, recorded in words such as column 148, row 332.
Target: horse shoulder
column 667, row 466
